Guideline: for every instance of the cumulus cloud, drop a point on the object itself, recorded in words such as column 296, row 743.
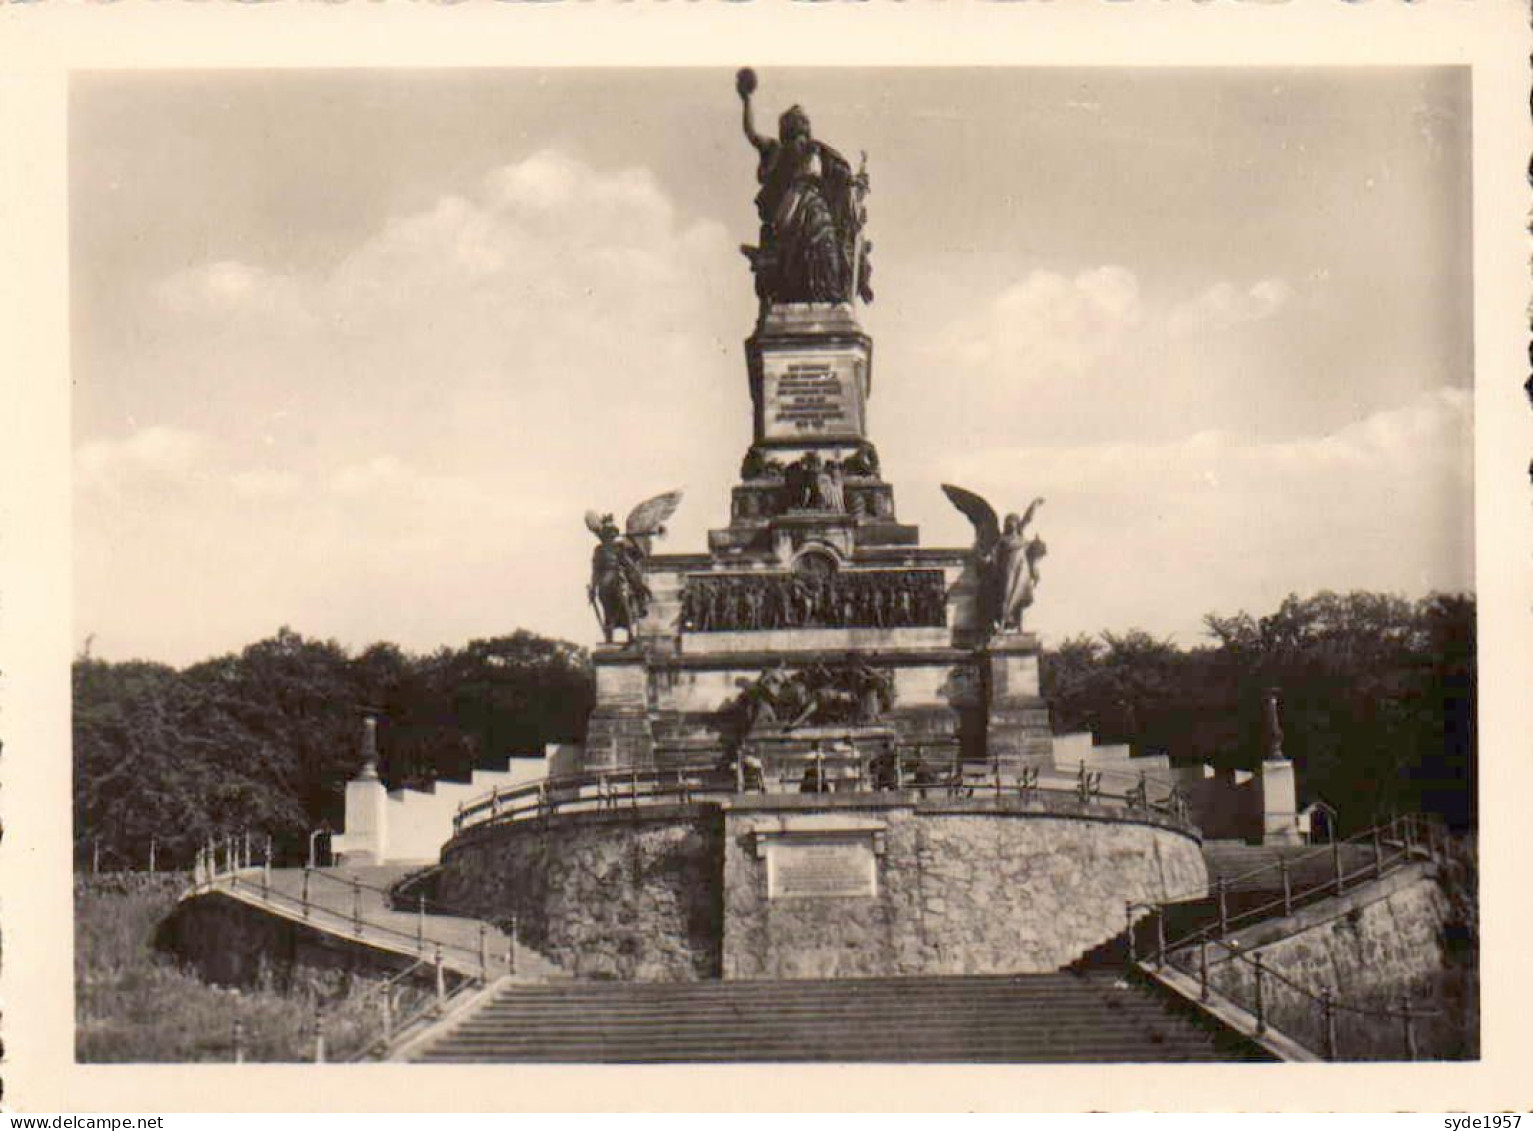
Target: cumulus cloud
column 230, row 289
column 1047, row 323
column 1155, row 533
column 153, row 454
column 1224, row 305
column 265, row 484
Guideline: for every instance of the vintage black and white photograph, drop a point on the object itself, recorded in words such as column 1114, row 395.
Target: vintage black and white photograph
column 520, row 616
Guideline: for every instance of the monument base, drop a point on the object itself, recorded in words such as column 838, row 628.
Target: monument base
column 1017, row 729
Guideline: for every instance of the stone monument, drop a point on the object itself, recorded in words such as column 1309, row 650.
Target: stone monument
column 818, row 748
column 815, row 621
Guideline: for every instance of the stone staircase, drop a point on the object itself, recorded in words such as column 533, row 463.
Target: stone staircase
column 1066, row 1017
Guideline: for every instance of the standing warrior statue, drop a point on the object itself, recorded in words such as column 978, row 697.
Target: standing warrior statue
column 618, row 591
column 1006, row 556
column 812, row 214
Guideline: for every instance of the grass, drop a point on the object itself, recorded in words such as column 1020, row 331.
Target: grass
column 135, row 1004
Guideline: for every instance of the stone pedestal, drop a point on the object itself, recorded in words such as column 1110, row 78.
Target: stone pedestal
column 1280, row 807
column 365, row 840
column 619, row 735
column 811, row 370
column 1017, row 730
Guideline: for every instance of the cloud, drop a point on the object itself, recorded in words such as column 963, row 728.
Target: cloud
column 152, row 455
column 265, row 484
column 1224, row 305
column 229, row 289
column 1155, row 533
column 1049, row 325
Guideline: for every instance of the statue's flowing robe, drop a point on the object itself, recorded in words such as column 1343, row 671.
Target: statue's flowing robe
column 805, row 199
column 1013, row 580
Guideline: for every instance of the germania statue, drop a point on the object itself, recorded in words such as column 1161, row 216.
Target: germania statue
column 1007, row 558
column 811, row 211
column 618, row 591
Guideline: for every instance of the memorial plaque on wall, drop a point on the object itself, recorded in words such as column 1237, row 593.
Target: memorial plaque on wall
column 812, row 396
column 821, row 867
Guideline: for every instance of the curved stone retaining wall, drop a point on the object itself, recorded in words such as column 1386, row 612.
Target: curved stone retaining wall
column 951, row 887
column 627, row 895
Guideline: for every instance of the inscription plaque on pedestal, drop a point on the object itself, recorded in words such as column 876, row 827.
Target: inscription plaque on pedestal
column 821, row 867
column 812, row 395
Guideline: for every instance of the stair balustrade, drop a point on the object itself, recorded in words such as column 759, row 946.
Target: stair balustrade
column 1394, row 844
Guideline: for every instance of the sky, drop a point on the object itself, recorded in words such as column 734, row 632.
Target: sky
column 354, row 351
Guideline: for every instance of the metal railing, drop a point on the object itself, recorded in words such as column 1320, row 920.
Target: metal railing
column 829, row 772
column 253, row 883
column 1400, row 841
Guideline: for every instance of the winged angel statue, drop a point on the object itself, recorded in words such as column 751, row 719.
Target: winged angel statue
column 1006, row 556
column 617, row 590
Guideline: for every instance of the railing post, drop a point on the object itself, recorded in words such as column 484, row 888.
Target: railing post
column 1287, row 885
column 319, row 1032
column 740, row 769
column 1261, row 1010
column 239, row 1032
column 420, row 925
column 484, row 954
column 1133, row 947
column 1328, row 1024
column 266, row 881
column 1160, row 936
column 246, row 844
column 151, row 855
column 1410, row 1027
column 305, row 900
column 1221, row 887
column 511, row 946
column 1336, row 864
column 356, row 905
column 1203, row 968
column 1378, row 854
column 633, row 788
column 441, row 978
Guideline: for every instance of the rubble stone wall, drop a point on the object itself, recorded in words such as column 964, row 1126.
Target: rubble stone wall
column 960, row 887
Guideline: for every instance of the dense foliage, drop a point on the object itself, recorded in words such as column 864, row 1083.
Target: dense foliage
column 265, row 740
column 133, row 1003
column 1377, row 694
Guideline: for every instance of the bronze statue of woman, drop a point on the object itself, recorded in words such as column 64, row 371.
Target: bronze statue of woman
column 808, row 207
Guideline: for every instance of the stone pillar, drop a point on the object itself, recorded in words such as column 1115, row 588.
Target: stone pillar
column 1017, row 730
column 367, row 801
column 619, row 734
column 1279, row 790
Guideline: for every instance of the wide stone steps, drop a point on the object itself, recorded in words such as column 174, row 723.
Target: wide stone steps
column 1020, row 1018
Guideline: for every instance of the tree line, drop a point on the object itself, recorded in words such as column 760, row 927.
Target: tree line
column 265, row 739
column 1377, row 693
column 1377, row 698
